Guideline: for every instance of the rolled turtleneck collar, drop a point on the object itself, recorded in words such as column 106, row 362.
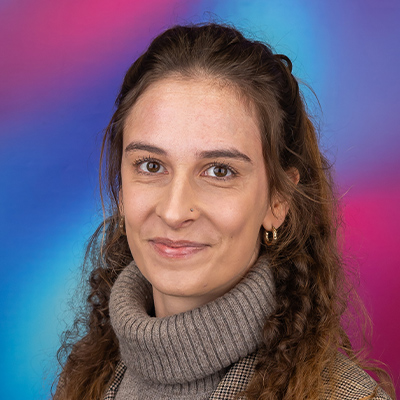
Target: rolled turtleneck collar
column 186, row 354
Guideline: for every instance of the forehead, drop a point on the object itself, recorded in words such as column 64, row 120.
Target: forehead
column 199, row 111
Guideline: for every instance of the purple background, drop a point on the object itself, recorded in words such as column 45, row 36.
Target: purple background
column 61, row 64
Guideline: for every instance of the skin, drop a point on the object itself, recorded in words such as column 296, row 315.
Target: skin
column 193, row 145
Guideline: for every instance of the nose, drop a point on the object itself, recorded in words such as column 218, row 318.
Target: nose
column 177, row 204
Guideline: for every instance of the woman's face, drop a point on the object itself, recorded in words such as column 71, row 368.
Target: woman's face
column 194, row 191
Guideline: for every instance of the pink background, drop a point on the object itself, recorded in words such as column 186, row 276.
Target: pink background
column 61, row 65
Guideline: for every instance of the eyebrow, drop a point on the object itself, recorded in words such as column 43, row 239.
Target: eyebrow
column 133, row 146
column 223, row 153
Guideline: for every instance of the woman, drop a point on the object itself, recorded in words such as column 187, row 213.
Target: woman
column 217, row 273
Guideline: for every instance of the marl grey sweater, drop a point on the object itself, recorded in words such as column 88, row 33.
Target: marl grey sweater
column 185, row 356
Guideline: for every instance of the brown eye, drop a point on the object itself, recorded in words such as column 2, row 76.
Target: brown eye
column 152, row 166
column 220, row 172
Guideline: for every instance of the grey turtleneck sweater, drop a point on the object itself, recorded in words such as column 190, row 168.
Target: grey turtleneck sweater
column 185, row 356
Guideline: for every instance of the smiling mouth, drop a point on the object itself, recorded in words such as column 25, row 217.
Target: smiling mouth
column 176, row 249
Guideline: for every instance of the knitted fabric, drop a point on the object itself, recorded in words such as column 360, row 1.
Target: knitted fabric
column 186, row 355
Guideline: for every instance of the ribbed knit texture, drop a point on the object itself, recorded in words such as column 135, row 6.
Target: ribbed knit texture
column 186, row 355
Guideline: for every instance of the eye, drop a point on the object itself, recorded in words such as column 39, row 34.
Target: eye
column 220, row 171
column 149, row 166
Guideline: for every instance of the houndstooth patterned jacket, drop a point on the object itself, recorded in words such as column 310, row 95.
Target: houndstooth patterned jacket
column 353, row 382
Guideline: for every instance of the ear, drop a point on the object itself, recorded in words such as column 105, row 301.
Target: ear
column 294, row 175
column 275, row 215
column 278, row 209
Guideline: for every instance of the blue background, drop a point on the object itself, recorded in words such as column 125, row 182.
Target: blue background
column 61, row 65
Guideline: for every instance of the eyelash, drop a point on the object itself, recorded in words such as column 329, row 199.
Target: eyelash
column 137, row 163
column 141, row 160
column 227, row 166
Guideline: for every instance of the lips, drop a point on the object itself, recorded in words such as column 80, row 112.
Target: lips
column 176, row 248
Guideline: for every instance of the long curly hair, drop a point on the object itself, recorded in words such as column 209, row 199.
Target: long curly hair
column 304, row 334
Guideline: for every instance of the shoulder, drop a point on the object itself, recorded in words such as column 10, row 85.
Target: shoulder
column 349, row 381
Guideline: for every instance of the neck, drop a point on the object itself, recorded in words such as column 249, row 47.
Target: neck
column 187, row 352
column 167, row 305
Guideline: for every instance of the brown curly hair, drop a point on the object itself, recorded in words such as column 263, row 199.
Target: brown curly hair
column 304, row 334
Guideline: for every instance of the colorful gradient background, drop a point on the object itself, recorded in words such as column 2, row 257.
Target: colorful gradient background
column 61, row 65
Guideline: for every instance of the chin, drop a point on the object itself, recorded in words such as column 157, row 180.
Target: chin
column 178, row 288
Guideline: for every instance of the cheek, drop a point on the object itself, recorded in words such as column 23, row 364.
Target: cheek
column 137, row 208
column 137, row 204
column 240, row 216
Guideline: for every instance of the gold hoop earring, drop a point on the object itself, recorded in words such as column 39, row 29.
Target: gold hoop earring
column 267, row 240
column 121, row 225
